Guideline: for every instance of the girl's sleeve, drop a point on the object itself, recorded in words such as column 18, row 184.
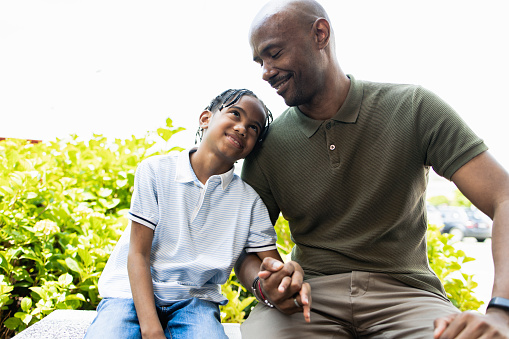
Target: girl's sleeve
column 144, row 208
column 262, row 236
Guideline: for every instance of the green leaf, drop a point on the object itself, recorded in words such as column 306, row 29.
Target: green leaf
column 73, row 265
column 65, row 280
column 246, row 302
column 105, row 192
column 4, row 289
column 12, row 323
column 32, row 257
column 86, row 196
column 4, row 264
column 85, row 257
column 26, row 304
column 26, row 318
column 121, row 183
column 468, row 259
column 6, row 190
column 31, row 195
column 78, row 296
column 40, row 292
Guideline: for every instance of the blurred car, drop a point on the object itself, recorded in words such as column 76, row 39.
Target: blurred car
column 465, row 222
column 482, row 222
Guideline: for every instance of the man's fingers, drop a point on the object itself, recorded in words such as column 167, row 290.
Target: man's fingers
column 271, row 265
column 440, row 326
column 305, row 294
column 282, row 283
column 307, row 313
column 264, row 274
column 304, row 299
column 287, row 281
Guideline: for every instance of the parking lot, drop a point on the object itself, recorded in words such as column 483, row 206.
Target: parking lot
column 482, row 267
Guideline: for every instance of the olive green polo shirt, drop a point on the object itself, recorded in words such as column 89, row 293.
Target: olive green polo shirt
column 353, row 187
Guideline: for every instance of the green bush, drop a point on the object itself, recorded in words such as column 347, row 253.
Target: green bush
column 446, row 262
column 62, row 207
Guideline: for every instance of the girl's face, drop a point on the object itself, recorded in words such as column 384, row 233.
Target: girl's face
column 234, row 131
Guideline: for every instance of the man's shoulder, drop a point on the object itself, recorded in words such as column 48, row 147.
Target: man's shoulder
column 388, row 87
column 283, row 119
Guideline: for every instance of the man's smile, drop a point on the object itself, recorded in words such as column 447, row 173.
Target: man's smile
column 279, row 82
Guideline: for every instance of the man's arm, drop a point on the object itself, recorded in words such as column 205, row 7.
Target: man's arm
column 280, row 283
column 486, row 184
column 140, row 278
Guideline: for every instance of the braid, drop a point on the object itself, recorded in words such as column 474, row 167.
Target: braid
column 229, row 98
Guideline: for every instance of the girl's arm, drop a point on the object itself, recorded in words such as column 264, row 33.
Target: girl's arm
column 138, row 267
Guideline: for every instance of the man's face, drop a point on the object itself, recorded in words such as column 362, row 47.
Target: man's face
column 288, row 58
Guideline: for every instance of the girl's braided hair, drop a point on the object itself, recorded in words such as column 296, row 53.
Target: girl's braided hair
column 229, row 98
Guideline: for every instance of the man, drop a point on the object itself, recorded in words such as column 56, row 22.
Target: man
column 347, row 164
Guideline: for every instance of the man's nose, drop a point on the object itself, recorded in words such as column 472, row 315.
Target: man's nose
column 268, row 71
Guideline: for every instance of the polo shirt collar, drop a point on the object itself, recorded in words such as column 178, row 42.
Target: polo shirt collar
column 185, row 171
column 348, row 113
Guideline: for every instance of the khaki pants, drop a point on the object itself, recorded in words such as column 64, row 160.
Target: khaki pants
column 354, row 305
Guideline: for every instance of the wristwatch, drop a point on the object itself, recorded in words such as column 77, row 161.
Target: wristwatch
column 499, row 302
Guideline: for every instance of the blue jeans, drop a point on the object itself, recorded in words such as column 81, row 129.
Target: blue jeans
column 191, row 318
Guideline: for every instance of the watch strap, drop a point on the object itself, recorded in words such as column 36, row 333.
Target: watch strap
column 499, row 302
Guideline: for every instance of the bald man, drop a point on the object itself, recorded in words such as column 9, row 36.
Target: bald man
column 347, row 164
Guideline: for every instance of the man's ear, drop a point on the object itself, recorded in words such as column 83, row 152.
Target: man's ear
column 205, row 117
column 322, row 32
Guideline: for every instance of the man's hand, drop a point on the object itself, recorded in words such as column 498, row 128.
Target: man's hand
column 282, row 284
column 470, row 325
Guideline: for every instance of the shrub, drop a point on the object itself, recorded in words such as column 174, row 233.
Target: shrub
column 62, row 207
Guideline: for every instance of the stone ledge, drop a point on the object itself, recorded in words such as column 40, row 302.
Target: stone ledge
column 72, row 324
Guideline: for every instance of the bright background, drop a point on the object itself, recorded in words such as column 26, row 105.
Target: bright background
column 122, row 67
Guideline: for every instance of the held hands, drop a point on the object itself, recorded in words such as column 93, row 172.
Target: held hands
column 282, row 284
column 466, row 325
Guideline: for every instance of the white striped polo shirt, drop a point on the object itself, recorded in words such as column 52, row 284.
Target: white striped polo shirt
column 199, row 230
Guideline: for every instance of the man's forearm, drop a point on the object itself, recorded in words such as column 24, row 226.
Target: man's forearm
column 247, row 268
column 500, row 250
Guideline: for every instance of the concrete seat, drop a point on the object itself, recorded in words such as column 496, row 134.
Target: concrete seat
column 72, row 324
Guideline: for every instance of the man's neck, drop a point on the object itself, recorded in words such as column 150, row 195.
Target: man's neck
column 327, row 104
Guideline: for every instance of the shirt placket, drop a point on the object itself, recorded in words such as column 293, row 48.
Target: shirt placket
column 204, row 190
column 332, row 143
column 197, row 208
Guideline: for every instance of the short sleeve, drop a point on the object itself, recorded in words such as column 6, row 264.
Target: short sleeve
column 446, row 141
column 262, row 236
column 144, row 208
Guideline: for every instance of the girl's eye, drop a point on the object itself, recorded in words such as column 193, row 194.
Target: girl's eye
column 254, row 127
column 235, row 113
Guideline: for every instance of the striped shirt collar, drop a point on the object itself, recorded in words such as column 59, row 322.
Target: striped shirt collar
column 185, row 171
column 348, row 113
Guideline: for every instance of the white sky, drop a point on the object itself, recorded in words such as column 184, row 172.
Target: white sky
column 122, row 67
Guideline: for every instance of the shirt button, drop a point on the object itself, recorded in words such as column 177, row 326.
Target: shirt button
column 332, row 147
column 328, row 125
